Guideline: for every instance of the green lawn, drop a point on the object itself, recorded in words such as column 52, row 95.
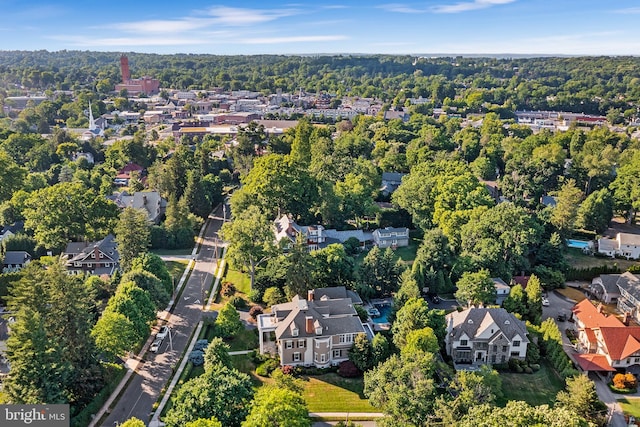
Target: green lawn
column 247, row 339
column 538, row 388
column 176, row 268
column 242, row 281
column 577, row 259
column 331, row 393
column 177, row 252
column 630, row 406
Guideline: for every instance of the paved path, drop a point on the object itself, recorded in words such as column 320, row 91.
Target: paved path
column 153, row 372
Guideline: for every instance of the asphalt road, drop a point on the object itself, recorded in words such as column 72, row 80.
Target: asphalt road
column 154, row 372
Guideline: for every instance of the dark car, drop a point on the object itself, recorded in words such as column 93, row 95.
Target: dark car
column 434, row 298
column 561, row 317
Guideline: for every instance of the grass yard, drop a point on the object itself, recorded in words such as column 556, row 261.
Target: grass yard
column 538, row 388
column 331, row 393
column 408, row 253
column 572, row 293
column 578, row 260
column 242, row 281
column 176, row 268
column 173, row 252
column 630, row 406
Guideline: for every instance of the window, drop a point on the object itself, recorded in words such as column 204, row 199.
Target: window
column 77, row 264
column 101, row 255
column 516, row 343
column 505, row 348
column 106, row 264
column 89, row 265
column 515, row 354
column 495, row 348
column 345, row 338
column 464, row 342
column 323, row 358
column 337, row 354
column 503, row 358
column 493, row 358
column 296, row 356
column 93, row 255
column 289, row 344
column 294, row 332
column 300, row 343
column 317, row 344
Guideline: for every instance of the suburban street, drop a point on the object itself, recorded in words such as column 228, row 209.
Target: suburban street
column 150, row 376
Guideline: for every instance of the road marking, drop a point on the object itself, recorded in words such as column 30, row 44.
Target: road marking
column 197, row 301
column 186, row 298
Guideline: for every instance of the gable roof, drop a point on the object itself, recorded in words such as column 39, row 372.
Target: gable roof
column 590, row 317
column 78, row 251
column 621, row 342
column 16, row 257
column 629, row 239
column 472, row 321
column 610, row 283
column 593, row 362
column 629, row 283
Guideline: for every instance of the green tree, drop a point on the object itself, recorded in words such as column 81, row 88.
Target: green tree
column 596, row 211
column 68, row 211
column 201, row 422
column 564, row 214
column 250, row 238
column 380, row 349
column 408, row 289
column 434, row 254
column 518, row 413
column 534, row 300
column 152, row 263
column 361, row 352
column 221, row 392
column 228, row 322
column 580, row 397
column 135, row 304
column 420, row 340
column 476, row 288
column 11, row 176
column 414, row 315
column 150, row 283
column 516, row 301
column 301, row 268
column 273, row 296
column 133, row 422
column 380, row 271
column 301, row 146
column 115, row 334
column 403, row 388
column 279, row 408
column 133, row 235
column 217, row 353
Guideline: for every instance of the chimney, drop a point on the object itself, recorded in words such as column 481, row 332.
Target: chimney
column 626, row 319
column 124, row 68
column 310, row 295
column 309, row 324
column 600, row 308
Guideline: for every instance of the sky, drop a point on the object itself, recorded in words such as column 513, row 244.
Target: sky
column 471, row 27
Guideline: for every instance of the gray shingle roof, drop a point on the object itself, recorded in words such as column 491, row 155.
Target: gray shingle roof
column 473, row 321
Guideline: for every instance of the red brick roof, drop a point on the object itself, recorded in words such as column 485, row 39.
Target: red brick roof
column 621, row 342
column 593, row 362
column 590, row 317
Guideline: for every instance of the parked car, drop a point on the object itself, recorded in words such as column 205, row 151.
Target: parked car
column 155, row 346
column 561, row 317
column 545, row 302
column 162, row 333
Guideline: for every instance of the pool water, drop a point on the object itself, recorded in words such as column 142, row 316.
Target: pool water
column 580, row 244
column 384, row 312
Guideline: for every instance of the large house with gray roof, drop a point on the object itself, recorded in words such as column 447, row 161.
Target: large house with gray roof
column 629, row 300
column 286, row 231
column 97, row 258
column 478, row 336
column 606, row 287
column 317, row 331
column 391, row 237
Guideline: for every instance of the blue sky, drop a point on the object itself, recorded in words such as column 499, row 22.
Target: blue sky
column 367, row 26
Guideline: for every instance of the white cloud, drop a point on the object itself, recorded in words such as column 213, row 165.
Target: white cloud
column 467, row 6
column 629, row 10
column 294, row 39
column 400, row 8
column 240, row 17
column 162, row 26
column 82, row 41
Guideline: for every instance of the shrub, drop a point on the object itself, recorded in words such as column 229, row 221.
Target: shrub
column 255, row 311
column 228, row 289
column 196, row 357
column 535, row 367
column 255, row 295
column 268, row 366
column 200, row 345
column 288, row 370
column 528, row 370
column 618, row 381
column 630, row 381
column 348, row 369
column 237, row 302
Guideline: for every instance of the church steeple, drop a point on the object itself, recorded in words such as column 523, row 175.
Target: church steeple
column 92, row 123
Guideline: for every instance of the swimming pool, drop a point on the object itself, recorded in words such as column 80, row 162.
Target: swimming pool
column 384, row 312
column 580, row 244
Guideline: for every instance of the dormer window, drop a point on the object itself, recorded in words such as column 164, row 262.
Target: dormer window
column 93, row 255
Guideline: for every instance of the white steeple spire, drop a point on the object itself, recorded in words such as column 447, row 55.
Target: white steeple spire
column 92, row 123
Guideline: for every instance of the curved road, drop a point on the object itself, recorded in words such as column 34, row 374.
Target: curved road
column 150, row 376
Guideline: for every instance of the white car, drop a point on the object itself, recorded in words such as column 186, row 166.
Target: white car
column 545, row 302
column 155, row 346
column 162, row 333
